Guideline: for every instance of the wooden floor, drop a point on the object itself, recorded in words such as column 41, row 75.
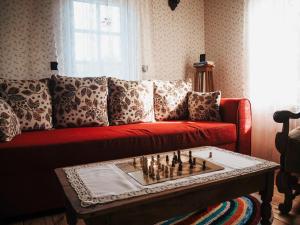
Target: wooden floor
column 293, row 218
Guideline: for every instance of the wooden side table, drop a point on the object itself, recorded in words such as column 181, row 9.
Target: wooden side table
column 203, row 80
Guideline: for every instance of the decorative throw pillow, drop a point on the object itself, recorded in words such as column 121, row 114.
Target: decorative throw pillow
column 204, row 106
column 130, row 101
column 79, row 102
column 9, row 122
column 170, row 99
column 30, row 100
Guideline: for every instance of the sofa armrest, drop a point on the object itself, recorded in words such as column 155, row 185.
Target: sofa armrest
column 238, row 111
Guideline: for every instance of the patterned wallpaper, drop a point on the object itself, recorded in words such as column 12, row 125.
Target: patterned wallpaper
column 178, row 38
column 26, row 43
column 224, row 44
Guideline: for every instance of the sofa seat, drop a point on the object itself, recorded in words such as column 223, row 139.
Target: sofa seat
column 27, row 163
column 39, row 150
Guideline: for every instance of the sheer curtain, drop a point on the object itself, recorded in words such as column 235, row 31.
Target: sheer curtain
column 273, row 43
column 101, row 37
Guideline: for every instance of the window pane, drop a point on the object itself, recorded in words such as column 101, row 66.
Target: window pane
column 110, row 48
column 110, row 18
column 84, row 15
column 85, row 47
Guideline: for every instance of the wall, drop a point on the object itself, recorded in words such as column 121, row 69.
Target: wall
column 224, row 44
column 26, row 42
column 178, row 38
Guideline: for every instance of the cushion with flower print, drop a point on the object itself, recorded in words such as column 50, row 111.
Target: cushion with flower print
column 204, row 105
column 79, row 102
column 170, row 99
column 30, row 100
column 130, row 101
column 9, row 122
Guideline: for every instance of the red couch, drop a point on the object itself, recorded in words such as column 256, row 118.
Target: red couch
column 28, row 183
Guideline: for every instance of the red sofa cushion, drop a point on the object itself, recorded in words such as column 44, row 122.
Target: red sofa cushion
column 40, row 150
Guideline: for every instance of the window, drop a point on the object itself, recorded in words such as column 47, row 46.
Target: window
column 100, row 41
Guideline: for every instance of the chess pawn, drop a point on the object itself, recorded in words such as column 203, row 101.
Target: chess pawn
column 152, row 159
column 175, row 157
column 157, row 175
column 210, row 155
column 167, row 159
column 204, row 165
column 171, row 171
column 190, row 153
column 134, row 162
column 194, row 161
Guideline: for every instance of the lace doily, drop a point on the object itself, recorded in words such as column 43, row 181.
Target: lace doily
column 87, row 199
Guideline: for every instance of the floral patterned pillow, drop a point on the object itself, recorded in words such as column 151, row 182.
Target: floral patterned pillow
column 9, row 122
column 204, row 106
column 130, row 101
column 170, row 99
column 79, row 102
column 30, row 100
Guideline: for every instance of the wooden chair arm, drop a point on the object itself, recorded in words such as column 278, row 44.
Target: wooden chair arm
column 281, row 139
column 283, row 116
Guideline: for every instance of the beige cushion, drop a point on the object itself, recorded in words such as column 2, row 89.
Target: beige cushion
column 130, row 101
column 80, row 102
column 170, row 99
column 204, row 106
column 9, row 122
column 30, row 100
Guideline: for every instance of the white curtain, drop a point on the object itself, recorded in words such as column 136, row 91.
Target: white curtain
column 102, row 37
column 273, row 44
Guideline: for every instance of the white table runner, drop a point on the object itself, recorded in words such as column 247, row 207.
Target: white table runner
column 104, row 182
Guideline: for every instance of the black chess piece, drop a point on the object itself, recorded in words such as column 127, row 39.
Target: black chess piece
column 173, row 163
column 190, row 159
column 204, row 165
column 180, row 167
column 167, row 158
column 175, row 157
column 194, row 161
column 179, row 156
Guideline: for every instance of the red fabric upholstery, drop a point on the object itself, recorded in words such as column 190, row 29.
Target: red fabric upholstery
column 27, row 163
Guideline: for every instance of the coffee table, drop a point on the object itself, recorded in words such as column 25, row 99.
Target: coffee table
column 150, row 205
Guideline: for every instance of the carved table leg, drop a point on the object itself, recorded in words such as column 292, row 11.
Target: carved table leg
column 266, row 197
column 70, row 214
column 284, row 182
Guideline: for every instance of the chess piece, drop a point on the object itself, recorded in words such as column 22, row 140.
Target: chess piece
column 157, row 175
column 204, row 165
column 166, row 170
column 162, row 167
column 191, row 166
column 175, row 158
column 167, row 159
column 194, row 161
column 173, row 163
column 159, row 166
column 190, row 159
column 134, row 162
column 180, row 166
column 158, row 157
column 210, row 155
column 171, row 171
column 179, row 156
column 152, row 159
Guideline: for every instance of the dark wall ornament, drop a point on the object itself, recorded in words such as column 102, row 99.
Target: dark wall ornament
column 173, row 4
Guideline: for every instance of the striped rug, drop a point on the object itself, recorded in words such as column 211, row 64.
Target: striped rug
column 243, row 210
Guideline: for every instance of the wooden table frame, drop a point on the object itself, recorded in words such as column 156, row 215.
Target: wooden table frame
column 153, row 208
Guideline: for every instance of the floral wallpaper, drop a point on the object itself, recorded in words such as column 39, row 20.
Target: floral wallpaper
column 178, row 38
column 26, row 41
column 224, row 44
column 27, row 46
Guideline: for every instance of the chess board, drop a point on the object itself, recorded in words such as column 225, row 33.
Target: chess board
column 135, row 169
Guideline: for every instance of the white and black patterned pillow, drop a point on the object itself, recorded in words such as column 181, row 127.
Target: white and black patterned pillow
column 9, row 122
column 170, row 99
column 30, row 100
column 79, row 102
column 204, row 106
column 130, row 101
